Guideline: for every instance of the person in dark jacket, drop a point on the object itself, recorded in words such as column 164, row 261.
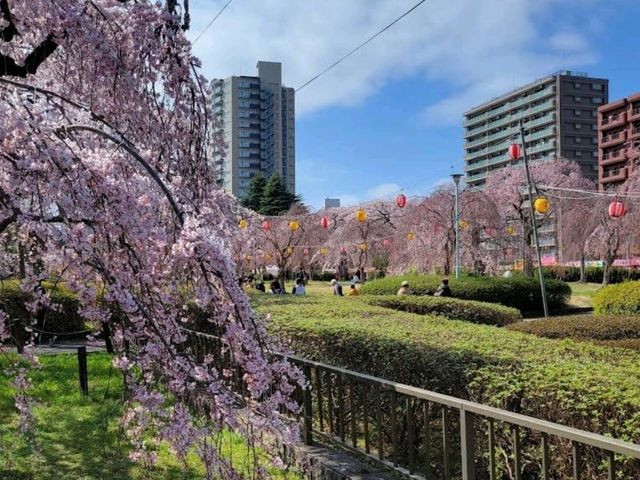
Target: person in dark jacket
column 443, row 290
column 275, row 288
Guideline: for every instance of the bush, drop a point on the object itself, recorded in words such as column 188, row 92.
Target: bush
column 467, row 310
column 620, row 299
column 64, row 318
column 583, row 327
column 518, row 292
column 323, row 276
column 573, row 383
column 592, row 274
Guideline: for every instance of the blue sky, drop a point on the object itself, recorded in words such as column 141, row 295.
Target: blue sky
column 390, row 116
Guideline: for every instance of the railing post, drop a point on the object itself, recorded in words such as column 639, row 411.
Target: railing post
column 82, row 370
column 308, row 407
column 467, row 445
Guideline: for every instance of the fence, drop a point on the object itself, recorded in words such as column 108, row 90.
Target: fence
column 429, row 435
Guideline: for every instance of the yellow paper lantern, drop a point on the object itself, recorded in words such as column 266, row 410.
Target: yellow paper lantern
column 464, row 224
column 363, row 247
column 541, row 205
column 289, row 250
column 243, row 224
column 269, row 256
column 294, row 225
column 247, row 257
column 511, row 231
column 411, row 236
column 323, row 251
column 361, row 215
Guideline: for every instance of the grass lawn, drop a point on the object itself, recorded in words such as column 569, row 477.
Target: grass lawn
column 582, row 293
column 79, row 437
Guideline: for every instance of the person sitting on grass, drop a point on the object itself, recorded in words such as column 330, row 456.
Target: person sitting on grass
column 353, row 291
column 404, row 289
column 337, row 288
column 298, row 288
column 443, row 290
column 275, row 288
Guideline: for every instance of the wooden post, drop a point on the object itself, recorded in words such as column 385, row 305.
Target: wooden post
column 467, row 444
column 82, row 370
column 308, row 408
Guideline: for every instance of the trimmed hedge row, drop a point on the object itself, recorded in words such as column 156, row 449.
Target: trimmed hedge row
column 518, row 292
column 62, row 319
column 592, row 274
column 572, row 383
column 583, row 327
column 467, row 310
column 620, row 299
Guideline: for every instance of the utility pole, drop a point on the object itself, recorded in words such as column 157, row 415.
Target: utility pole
column 533, row 222
column 456, row 180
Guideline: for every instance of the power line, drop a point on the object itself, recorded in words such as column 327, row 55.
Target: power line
column 361, row 45
column 211, row 22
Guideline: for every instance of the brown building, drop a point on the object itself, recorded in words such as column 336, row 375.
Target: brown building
column 618, row 141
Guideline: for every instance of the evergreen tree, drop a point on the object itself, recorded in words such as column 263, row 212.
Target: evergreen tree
column 276, row 199
column 255, row 193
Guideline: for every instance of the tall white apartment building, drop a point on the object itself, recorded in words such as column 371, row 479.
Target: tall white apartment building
column 258, row 124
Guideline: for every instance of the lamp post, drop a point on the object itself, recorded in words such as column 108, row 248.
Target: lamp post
column 533, row 222
column 456, row 179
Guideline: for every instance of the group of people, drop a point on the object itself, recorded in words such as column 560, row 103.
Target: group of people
column 276, row 289
column 443, row 289
column 337, row 289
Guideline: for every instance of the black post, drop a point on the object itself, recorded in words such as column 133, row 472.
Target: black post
column 307, row 404
column 82, row 370
column 106, row 331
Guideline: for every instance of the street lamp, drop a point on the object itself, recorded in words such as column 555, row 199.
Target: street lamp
column 456, row 179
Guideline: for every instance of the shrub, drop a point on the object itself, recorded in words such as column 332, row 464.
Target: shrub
column 592, row 274
column 64, row 318
column 620, row 299
column 323, row 276
column 518, row 292
column 573, row 383
column 468, row 310
column 583, row 327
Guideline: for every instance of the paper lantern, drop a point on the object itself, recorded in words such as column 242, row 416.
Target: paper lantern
column 269, row 256
column 324, row 222
column 515, row 151
column 294, row 225
column 247, row 257
column 343, row 250
column 511, row 231
column 488, row 231
column 616, row 209
column 363, row 247
column 289, row 250
column 266, row 225
column 361, row 215
column 323, row 251
column 243, row 224
column 386, row 243
column 305, row 252
column 464, row 224
column 541, row 205
column 411, row 236
column 401, row 200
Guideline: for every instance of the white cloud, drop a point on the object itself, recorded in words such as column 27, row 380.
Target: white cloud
column 479, row 48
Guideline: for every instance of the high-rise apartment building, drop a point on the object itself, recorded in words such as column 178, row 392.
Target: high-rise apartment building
column 258, row 125
column 559, row 113
column 619, row 140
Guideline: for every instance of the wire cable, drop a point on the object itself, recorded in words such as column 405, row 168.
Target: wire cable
column 347, row 55
column 211, row 22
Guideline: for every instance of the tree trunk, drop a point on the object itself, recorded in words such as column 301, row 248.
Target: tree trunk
column 606, row 272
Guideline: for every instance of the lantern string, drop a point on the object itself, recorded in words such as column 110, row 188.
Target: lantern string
column 594, row 193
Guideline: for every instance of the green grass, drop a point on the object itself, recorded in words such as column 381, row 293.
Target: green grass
column 79, row 437
column 582, row 293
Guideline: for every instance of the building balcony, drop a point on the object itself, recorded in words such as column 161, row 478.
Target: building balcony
column 635, row 114
column 634, row 133
column 614, row 176
column 611, row 158
column 615, row 120
column 613, row 139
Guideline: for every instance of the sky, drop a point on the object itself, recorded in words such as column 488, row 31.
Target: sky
column 390, row 116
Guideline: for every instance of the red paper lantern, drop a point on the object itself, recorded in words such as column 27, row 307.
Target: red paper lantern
column 386, row 243
column 324, row 222
column 616, row 209
column 343, row 250
column 488, row 231
column 515, row 151
column 306, row 252
column 266, row 225
column 401, row 200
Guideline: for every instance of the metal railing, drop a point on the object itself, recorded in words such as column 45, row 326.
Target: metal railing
column 427, row 435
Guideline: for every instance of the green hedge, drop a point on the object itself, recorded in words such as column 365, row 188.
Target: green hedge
column 583, row 327
column 592, row 274
column 467, row 310
column 620, row 299
column 63, row 319
column 572, row 383
column 518, row 292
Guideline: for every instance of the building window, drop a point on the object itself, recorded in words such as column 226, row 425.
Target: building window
column 594, row 141
column 596, row 100
column 578, row 99
column 578, row 139
column 578, row 126
column 594, row 113
column 594, row 153
column 577, row 85
column 597, row 86
column 577, row 113
column 578, row 153
column 594, row 127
